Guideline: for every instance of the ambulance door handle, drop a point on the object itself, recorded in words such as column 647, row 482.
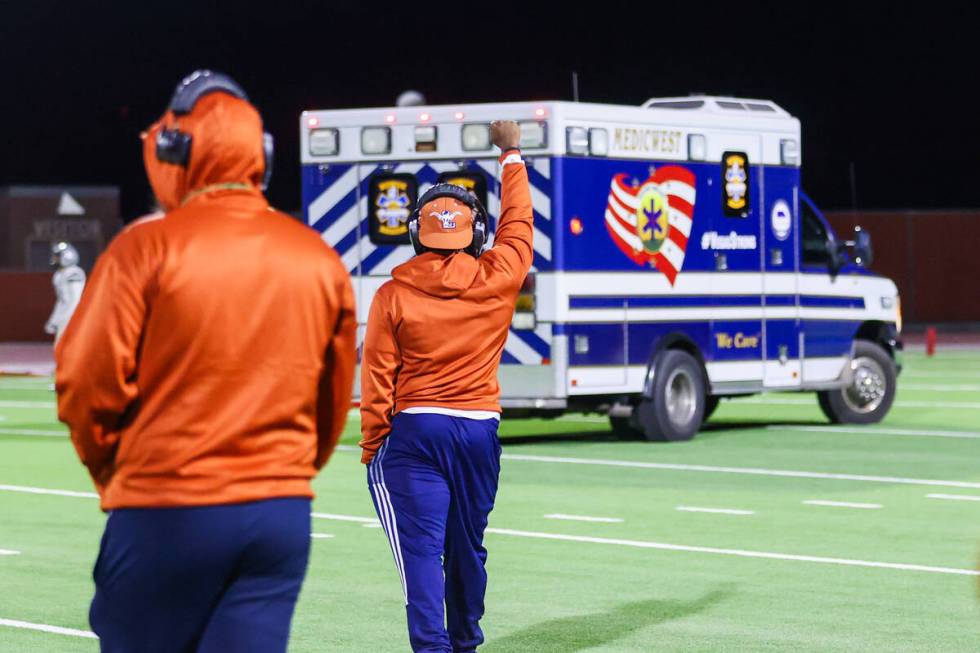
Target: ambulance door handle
column 721, row 261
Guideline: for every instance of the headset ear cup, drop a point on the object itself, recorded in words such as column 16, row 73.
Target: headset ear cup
column 413, row 233
column 173, row 146
column 268, row 149
column 479, row 238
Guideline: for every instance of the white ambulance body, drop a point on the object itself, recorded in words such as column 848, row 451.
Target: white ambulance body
column 676, row 258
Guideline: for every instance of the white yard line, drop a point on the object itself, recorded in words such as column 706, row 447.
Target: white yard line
column 872, row 430
column 702, row 549
column 9, row 552
column 34, row 432
column 45, row 628
column 27, row 404
column 711, row 469
column 927, row 374
column 842, row 504
column 321, row 536
column 720, row 511
column 793, row 401
column 735, row 552
column 376, row 524
column 940, row 387
column 607, row 520
column 954, row 497
column 361, row 520
column 41, row 490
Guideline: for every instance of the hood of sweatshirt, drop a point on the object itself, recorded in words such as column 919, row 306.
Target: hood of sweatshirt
column 439, row 276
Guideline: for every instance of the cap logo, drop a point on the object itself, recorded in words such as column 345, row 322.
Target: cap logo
column 447, row 218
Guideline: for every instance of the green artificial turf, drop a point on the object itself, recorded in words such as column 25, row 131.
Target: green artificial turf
column 613, row 592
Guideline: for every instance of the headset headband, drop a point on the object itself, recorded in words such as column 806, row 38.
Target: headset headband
column 458, row 193
column 198, row 84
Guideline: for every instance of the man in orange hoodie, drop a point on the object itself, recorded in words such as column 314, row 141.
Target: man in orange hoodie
column 206, row 377
column 430, row 398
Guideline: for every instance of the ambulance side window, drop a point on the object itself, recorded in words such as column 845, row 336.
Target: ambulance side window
column 814, row 238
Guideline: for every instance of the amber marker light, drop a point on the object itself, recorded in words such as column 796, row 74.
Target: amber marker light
column 576, row 226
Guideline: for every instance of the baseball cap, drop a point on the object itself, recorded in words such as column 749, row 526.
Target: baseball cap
column 446, row 223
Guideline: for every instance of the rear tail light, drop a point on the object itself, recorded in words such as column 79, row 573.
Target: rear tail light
column 476, row 136
column 376, row 140
column 324, row 142
column 534, row 135
column 425, row 138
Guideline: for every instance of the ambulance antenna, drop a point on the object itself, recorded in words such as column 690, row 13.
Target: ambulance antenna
column 575, row 86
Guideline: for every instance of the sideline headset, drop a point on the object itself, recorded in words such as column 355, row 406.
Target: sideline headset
column 462, row 195
column 174, row 146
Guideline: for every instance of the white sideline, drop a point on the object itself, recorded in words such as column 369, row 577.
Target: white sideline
column 736, row 552
column 842, row 504
column 741, row 470
column 9, row 552
column 45, row 628
column 870, row 430
column 321, row 536
column 606, row 520
column 327, row 515
column 954, row 497
column 720, row 511
column 41, row 490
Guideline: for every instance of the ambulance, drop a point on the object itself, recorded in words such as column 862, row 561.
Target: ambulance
column 677, row 259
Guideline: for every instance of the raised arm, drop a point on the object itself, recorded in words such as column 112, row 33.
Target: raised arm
column 337, row 379
column 513, row 249
column 380, row 362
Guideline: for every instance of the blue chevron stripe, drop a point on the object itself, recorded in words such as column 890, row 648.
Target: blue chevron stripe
column 507, row 359
column 534, row 341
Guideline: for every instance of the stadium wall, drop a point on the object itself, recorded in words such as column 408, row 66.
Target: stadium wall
column 931, row 255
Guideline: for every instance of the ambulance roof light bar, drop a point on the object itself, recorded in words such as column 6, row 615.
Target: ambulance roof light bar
column 716, row 104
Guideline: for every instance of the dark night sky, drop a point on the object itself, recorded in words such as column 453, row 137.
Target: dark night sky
column 884, row 87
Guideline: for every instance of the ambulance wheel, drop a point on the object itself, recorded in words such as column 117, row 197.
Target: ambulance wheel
column 710, row 405
column 677, row 408
column 871, row 391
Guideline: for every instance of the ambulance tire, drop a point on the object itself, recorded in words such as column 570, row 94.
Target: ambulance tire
column 679, row 400
column 869, row 396
column 710, row 405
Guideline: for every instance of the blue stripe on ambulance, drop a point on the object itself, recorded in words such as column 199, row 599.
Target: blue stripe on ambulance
column 319, row 183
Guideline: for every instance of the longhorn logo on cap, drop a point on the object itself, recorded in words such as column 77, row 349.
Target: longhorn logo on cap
column 448, row 219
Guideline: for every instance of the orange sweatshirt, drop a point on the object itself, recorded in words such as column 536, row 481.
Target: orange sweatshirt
column 436, row 331
column 212, row 355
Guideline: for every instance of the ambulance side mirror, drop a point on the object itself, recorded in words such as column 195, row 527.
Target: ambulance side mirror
column 861, row 247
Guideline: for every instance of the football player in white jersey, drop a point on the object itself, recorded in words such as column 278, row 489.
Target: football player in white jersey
column 68, row 281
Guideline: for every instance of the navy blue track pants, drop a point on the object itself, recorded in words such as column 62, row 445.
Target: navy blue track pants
column 206, row 579
column 433, row 482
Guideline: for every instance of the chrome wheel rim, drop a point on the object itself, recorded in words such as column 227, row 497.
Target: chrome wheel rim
column 868, row 385
column 681, row 397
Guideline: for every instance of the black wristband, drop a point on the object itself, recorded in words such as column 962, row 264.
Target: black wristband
column 511, row 149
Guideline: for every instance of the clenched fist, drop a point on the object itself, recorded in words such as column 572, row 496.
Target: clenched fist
column 505, row 134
